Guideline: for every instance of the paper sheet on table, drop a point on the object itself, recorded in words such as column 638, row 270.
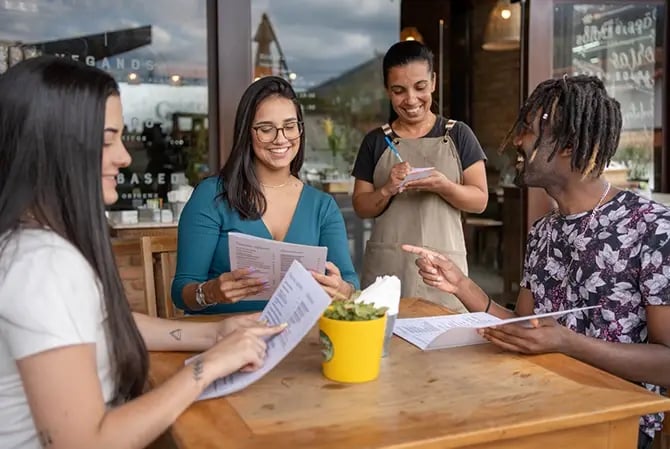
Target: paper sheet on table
column 417, row 173
column 272, row 259
column 446, row 331
column 299, row 301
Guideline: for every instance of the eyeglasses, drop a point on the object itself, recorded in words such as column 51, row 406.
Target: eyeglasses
column 268, row 133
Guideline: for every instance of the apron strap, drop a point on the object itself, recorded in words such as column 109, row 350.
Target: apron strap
column 386, row 128
column 448, row 127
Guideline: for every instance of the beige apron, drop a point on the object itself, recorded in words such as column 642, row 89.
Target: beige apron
column 417, row 218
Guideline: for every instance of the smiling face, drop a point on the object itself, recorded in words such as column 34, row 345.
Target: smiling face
column 276, row 119
column 533, row 169
column 410, row 88
column 114, row 153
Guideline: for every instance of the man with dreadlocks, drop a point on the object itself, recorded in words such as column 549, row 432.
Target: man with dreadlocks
column 602, row 247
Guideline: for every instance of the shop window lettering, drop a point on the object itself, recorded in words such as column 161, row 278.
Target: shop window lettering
column 141, row 178
column 138, row 196
column 616, row 28
column 629, row 57
column 117, row 63
column 633, row 58
column 641, row 78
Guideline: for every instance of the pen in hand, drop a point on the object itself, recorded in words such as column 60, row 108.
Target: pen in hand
column 389, row 142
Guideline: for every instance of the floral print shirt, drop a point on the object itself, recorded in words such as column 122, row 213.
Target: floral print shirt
column 617, row 256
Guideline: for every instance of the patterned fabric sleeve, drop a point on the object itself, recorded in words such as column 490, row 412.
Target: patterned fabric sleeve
column 531, row 242
column 655, row 259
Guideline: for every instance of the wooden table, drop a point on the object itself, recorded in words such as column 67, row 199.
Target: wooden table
column 474, row 397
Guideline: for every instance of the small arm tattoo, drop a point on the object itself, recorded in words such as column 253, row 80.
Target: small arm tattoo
column 198, row 369
column 176, row 334
column 45, row 438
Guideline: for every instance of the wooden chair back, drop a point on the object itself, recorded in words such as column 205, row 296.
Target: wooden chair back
column 127, row 257
column 159, row 261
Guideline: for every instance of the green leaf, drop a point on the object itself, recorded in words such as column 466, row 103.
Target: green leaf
column 350, row 311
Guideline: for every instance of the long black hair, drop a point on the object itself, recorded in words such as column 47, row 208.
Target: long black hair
column 52, row 117
column 402, row 53
column 577, row 113
column 241, row 187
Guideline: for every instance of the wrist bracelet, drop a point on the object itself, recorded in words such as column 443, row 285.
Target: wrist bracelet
column 488, row 305
column 201, row 297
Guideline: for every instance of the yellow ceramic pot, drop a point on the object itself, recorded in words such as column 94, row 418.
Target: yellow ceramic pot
column 352, row 350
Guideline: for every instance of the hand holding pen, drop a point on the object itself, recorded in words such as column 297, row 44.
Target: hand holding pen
column 393, row 148
column 398, row 173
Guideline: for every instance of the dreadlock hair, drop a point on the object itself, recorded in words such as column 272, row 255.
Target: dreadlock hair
column 577, row 113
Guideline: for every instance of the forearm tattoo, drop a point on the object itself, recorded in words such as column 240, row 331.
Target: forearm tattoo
column 45, row 438
column 176, row 334
column 198, row 368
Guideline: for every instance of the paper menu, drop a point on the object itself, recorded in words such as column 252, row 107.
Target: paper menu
column 417, row 173
column 299, row 301
column 272, row 259
column 446, row 331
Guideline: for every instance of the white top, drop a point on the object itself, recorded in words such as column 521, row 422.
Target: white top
column 49, row 298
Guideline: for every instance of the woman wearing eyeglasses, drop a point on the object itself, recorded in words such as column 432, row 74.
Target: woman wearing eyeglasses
column 258, row 193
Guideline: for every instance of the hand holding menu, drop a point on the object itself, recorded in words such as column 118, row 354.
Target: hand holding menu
column 447, row 331
column 271, row 259
column 299, row 301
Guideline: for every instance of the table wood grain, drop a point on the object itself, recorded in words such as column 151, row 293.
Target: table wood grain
column 474, row 397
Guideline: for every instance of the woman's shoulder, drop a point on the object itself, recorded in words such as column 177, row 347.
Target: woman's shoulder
column 34, row 241
column 374, row 138
column 207, row 190
column 211, row 184
column 375, row 133
column 444, row 124
column 43, row 251
column 315, row 195
column 322, row 200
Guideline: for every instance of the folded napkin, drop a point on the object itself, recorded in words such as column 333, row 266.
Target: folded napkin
column 384, row 292
column 180, row 195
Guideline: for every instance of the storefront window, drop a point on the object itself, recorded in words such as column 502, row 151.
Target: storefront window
column 623, row 45
column 332, row 53
column 157, row 53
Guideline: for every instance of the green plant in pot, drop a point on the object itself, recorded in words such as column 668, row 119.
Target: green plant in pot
column 352, row 335
column 352, row 311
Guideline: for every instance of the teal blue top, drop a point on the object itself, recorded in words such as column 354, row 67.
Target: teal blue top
column 203, row 239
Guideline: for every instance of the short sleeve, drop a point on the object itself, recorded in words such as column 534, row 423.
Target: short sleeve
column 531, row 242
column 364, row 166
column 654, row 277
column 469, row 149
column 49, row 299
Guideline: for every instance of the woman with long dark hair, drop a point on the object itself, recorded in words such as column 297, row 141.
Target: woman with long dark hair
column 427, row 211
column 258, row 193
column 73, row 358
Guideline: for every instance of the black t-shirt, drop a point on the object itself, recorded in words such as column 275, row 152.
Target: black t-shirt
column 373, row 146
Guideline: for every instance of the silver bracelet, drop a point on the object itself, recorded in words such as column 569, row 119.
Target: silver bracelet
column 200, row 296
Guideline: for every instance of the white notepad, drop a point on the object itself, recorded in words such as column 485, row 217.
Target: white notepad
column 417, row 173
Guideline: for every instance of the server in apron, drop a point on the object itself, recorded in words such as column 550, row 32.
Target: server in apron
column 424, row 212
